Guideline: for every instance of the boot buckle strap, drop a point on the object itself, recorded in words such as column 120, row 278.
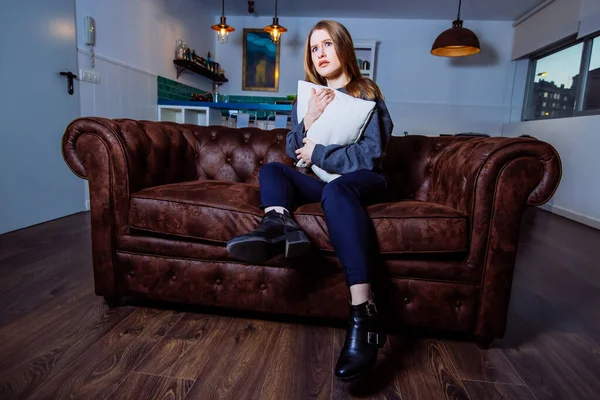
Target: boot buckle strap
column 371, row 309
column 373, row 338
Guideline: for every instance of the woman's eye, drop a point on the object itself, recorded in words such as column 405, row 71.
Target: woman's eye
column 314, row 49
column 328, row 43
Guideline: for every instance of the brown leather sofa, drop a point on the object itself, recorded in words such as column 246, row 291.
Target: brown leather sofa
column 166, row 197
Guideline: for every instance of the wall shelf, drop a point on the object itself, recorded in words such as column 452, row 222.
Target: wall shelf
column 366, row 50
column 183, row 65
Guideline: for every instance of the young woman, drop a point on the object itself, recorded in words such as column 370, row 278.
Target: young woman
column 330, row 60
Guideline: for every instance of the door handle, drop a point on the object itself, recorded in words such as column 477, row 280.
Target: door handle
column 70, row 77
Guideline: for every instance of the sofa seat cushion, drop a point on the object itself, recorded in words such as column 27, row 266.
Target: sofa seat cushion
column 216, row 211
column 401, row 227
column 209, row 210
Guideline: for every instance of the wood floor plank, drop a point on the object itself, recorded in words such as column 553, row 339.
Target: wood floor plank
column 426, row 370
column 23, row 248
column 152, row 387
column 107, row 363
column 49, row 267
column 301, row 367
column 16, row 245
column 496, row 391
column 246, row 348
column 44, row 288
column 558, row 266
column 183, row 352
column 48, row 352
column 481, row 365
column 559, row 365
column 58, row 318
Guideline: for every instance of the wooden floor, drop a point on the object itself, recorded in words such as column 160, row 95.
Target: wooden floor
column 58, row 339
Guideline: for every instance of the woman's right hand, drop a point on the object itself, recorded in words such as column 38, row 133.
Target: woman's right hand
column 316, row 105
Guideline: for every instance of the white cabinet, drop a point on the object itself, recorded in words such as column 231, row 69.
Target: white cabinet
column 366, row 50
column 190, row 115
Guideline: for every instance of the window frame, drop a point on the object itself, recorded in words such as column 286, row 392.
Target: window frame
column 586, row 56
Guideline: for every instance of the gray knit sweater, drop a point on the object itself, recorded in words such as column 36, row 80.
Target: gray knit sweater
column 365, row 154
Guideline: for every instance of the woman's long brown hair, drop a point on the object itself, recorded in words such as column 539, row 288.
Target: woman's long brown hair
column 358, row 86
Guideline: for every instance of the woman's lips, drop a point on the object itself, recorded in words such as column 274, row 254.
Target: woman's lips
column 323, row 63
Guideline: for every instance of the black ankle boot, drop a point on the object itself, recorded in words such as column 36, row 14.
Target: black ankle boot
column 296, row 241
column 277, row 234
column 363, row 340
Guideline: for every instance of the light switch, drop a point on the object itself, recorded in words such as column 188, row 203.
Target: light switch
column 86, row 75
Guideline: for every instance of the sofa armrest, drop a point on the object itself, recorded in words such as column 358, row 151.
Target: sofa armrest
column 464, row 174
column 491, row 180
column 120, row 157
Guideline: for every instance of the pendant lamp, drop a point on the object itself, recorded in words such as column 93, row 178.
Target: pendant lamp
column 222, row 28
column 456, row 41
column 275, row 29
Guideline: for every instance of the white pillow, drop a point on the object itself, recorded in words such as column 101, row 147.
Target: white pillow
column 343, row 121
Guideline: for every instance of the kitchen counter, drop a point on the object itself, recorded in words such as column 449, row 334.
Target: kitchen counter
column 227, row 106
column 209, row 113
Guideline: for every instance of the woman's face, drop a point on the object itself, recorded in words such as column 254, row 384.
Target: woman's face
column 323, row 54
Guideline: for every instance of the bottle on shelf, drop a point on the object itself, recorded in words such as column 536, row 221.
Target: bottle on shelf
column 179, row 50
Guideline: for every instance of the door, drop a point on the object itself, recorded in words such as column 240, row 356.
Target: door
column 37, row 42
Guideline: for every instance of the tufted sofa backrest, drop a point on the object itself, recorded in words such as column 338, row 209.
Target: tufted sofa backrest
column 169, row 152
column 410, row 162
column 237, row 155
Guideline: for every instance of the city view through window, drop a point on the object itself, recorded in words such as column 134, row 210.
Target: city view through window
column 554, row 90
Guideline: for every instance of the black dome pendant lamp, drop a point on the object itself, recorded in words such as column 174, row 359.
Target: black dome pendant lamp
column 456, row 41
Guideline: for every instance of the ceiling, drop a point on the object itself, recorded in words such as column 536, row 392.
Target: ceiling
column 498, row 10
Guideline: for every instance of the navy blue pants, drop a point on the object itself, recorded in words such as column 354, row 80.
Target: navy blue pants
column 342, row 200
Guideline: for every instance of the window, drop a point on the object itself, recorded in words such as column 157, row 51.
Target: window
column 558, row 76
column 592, row 87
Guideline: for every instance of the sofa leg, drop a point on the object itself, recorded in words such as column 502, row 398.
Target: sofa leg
column 112, row 301
column 483, row 342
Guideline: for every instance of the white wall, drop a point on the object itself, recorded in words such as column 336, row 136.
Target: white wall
column 577, row 142
column 142, row 33
column 425, row 94
column 124, row 91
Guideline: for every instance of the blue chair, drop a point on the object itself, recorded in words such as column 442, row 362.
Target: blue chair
column 280, row 121
column 243, row 120
column 232, row 114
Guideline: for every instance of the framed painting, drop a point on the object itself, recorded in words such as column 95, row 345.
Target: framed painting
column 260, row 69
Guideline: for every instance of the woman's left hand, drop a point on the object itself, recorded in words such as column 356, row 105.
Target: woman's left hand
column 305, row 152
